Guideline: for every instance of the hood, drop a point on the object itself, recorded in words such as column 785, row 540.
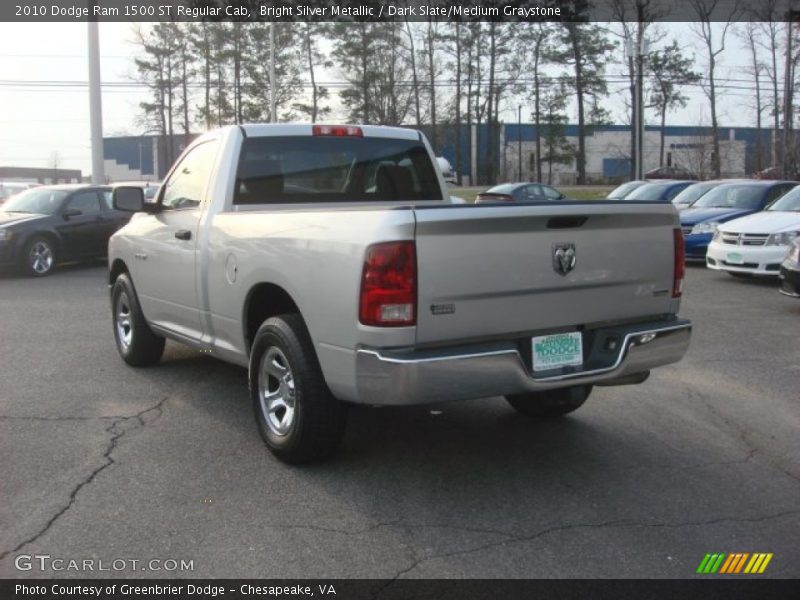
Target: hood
column 7, row 218
column 693, row 216
column 769, row 221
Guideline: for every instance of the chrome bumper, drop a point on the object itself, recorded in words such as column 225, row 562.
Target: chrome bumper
column 403, row 377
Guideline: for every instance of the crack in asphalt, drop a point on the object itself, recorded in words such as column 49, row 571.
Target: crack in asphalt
column 15, row 418
column 117, row 430
column 741, row 432
column 514, row 539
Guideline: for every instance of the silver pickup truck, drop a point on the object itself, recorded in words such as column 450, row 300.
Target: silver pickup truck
column 330, row 262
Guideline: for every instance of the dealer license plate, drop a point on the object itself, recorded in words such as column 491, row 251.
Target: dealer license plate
column 735, row 258
column 557, row 350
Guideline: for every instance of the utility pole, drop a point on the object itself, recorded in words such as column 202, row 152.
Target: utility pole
column 636, row 49
column 273, row 103
column 787, row 102
column 519, row 143
column 95, row 105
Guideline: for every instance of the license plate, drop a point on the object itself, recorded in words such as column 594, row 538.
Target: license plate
column 557, row 350
column 735, row 257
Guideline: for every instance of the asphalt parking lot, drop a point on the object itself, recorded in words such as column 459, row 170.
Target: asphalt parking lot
column 101, row 461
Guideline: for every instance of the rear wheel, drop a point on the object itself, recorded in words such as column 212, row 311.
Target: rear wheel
column 137, row 344
column 39, row 257
column 552, row 403
column 298, row 418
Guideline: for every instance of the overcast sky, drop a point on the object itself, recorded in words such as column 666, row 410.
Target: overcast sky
column 37, row 123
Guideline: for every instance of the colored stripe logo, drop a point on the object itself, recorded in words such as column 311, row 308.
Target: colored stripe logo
column 734, row 563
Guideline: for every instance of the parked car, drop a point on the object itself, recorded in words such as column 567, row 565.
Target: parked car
column 621, row 191
column 520, row 192
column 46, row 225
column 657, row 191
column 790, row 271
column 694, row 192
column 722, row 204
column 11, row 188
column 757, row 244
column 328, row 260
column 670, row 172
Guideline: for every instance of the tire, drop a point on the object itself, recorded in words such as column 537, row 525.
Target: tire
column 553, row 403
column 137, row 344
column 39, row 256
column 298, row 418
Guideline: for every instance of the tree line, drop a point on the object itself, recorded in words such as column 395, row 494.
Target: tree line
column 447, row 76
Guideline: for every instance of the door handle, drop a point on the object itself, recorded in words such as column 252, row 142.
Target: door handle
column 183, row 234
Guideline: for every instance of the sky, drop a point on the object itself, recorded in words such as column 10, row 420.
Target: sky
column 41, row 125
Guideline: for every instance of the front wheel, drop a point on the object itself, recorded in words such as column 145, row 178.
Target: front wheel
column 552, row 403
column 137, row 344
column 39, row 257
column 298, row 418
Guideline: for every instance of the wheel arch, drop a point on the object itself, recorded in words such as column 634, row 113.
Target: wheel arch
column 263, row 301
column 118, row 267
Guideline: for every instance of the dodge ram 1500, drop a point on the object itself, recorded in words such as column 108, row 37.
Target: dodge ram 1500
column 330, row 262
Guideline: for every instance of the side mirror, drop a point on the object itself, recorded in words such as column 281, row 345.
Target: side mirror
column 128, row 198
column 72, row 212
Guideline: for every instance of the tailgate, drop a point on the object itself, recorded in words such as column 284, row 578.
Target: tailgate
column 492, row 270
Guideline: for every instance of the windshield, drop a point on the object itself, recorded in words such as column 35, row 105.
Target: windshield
column 624, row 189
column 732, row 196
column 693, row 192
column 790, row 202
column 38, row 201
column 651, row 192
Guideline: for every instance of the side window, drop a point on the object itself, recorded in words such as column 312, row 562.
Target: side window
column 531, row 193
column 86, row 202
column 107, row 199
column 550, row 193
column 185, row 187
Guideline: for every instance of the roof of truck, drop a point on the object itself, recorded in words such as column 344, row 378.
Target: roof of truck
column 286, row 129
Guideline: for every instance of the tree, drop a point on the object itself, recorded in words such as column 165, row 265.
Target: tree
column 669, row 71
column 768, row 22
column 314, row 58
column 536, row 47
column 636, row 18
column 586, row 49
column 750, row 35
column 556, row 147
column 257, row 86
column 713, row 38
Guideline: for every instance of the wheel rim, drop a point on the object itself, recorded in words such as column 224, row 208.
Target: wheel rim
column 122, row 315
column 276, row 391
column 40, row 257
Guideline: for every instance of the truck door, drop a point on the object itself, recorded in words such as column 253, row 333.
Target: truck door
column 165, row 265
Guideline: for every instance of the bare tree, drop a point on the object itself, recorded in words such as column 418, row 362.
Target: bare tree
column 713, row 37
column 750, row 36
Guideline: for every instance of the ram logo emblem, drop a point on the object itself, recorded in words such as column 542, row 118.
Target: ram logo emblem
column 564, row 258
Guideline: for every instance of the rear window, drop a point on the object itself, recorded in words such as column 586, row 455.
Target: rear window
column 294, row 169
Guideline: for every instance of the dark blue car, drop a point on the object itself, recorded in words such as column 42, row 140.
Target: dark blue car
column 725, row 203
column 658, row 191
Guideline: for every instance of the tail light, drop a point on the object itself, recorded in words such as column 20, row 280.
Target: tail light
column 337, row 130
column 389, row 285
column 679, row 269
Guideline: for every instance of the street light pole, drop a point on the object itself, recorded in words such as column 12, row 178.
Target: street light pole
column 273, row 104
column 95, row 105
column 519, row 143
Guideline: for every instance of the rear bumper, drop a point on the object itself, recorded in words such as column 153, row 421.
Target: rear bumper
column 407, row 377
